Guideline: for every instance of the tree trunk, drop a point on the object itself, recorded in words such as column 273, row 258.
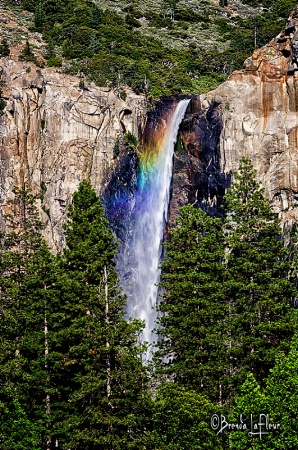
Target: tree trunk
column 48, row 398
column 107, row 342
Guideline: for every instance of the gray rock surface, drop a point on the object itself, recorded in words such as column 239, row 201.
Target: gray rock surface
column 257, row 117
column 54, row 134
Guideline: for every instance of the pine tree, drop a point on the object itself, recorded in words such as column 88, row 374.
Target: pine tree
column 193, row 305
column 27, row 302
column 4, row 48
column 94, row 44
column 102, row 363
column 40, row 348
column 259, row 295
column 96, row 17
column 172, row 6
column 27, row 53
column 226, row 309
column 18, row 244
column 39, row 17
column 291, row 239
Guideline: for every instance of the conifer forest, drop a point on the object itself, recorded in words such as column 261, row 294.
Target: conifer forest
column 207, row 358
column 73, row 371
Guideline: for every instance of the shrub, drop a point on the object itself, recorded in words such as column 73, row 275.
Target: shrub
column 27, row 54
column 4, row 48
column 55, row 61
column 130, row 140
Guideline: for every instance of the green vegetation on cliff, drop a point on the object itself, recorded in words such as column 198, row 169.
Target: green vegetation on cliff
column 158, row 47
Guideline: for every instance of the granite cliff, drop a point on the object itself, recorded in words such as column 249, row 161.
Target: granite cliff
column 54, row 133
column 254, row 114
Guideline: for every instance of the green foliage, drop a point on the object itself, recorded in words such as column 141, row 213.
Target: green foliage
column 282, row 8
column 181, row 420
column 50, row 55
column 4, row 48
column 117, row 148
column 258, row 291
column 282, row 391
column 292, row 238
column 55, row 62
column 43, row 190
column 193, row 306
column 27, row 54
column 226, row 309
column 250, row 404
column 171, row 7
column 71, row 365
column 123, row 95
column 104, row 44
column 17, row 432
column 188, row 14
column 110, row 50
column 2, row 103
column 130, row 140
column 101, row 360
column 27, row 272
column 95, row 44
column 39, row 17
column 66, row 352
column 278, row 399
column 179, row 146
column 132, row 21
column 207, row 83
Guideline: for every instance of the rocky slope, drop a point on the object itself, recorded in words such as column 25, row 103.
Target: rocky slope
column 53, row 134
column 254, row 114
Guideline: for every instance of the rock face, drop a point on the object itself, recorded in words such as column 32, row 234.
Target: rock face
column 54, row 134
column 253, row 114
column 198, row 177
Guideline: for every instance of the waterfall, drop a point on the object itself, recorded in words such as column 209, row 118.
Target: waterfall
column 151, row 206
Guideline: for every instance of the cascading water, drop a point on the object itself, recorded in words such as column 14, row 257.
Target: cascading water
column 151, row 206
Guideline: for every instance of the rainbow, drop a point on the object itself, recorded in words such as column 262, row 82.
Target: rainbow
column 139, row 211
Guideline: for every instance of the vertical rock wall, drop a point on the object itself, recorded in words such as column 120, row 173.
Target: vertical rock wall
column 54, row 134
column 253, row 114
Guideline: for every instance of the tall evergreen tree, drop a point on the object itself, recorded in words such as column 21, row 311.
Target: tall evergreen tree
column 39, row 17
column 26, row 275
column 193, row 305
column 226, row 309
column 102, row 361
column 258, row 293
